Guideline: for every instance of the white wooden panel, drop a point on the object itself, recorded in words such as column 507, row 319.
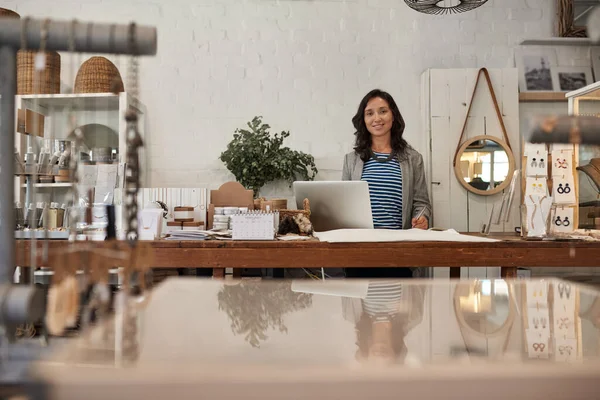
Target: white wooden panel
column 479, row 211
column 468, row 211
column 477, row 273
column 445, row 331
column 418, row 340
column 439, row 85
column 439, row 273
column 457, row 196
column 509, row 97
column 440, row 159
column 426, row 124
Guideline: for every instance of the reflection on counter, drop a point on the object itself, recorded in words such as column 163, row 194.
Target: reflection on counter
column 351, row 323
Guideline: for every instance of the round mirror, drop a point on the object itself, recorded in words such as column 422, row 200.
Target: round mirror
column 484, row 305
column 484, row 165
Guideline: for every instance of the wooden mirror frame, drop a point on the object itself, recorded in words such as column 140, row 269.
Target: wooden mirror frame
column 511, row 166
column 565, row 13
column 460, row 317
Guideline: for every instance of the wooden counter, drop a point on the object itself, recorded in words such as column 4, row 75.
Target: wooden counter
column 509, row 253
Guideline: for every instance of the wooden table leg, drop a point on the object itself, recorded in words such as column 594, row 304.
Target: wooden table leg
column 454, row 272
column 237, row 273
column 219, row 273
column 508, row 272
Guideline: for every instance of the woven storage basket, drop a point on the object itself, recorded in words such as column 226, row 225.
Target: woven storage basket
column 5, row 12
column 291, row 213
column 48, row 81
column 98, row 75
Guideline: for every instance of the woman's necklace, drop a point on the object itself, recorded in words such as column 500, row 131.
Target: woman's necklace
column 381, row 160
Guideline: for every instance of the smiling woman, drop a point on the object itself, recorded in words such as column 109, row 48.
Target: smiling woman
column 393, row 169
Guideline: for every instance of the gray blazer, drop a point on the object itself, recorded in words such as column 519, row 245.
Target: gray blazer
column 415, row 195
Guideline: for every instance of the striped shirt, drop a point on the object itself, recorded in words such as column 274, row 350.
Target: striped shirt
column 383, row 299
column 385, row 190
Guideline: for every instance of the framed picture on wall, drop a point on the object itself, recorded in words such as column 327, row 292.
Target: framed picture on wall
column 567, row 79
column 595, row 55
column 535, row 66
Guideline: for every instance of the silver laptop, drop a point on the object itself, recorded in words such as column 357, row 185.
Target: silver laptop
column 336, row 204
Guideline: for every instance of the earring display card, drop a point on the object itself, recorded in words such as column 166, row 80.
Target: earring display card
column 537, row 166
column 564, row 190
column 538, row 210
column 562, row 162
column 562, row 220
column 536, row 187
column 537, row 344
column 565, row 350
column 535, row 150
column 564, row 299
column 537, row 294
column 561, row 147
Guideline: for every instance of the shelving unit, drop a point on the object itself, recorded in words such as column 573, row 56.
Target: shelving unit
column 556, row 41
column 82, row 102
column 542, row 96
column 50, row 185
column 105, row 109
column 585, row 101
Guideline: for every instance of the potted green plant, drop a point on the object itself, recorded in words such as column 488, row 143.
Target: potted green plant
column 256, row 157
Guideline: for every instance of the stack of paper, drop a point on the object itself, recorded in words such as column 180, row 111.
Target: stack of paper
column 198, row 235
column 188, row 235
column 389, row 235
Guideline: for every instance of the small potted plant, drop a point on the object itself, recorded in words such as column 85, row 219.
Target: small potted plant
column 256, row 157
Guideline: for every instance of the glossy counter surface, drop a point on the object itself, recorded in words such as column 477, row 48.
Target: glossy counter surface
column 209, row 332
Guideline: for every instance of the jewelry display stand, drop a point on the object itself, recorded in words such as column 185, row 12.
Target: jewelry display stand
column 550, row 190
column 585, row 103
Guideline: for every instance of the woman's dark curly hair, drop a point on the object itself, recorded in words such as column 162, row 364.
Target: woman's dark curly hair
column 362, row 145
column 364, row 334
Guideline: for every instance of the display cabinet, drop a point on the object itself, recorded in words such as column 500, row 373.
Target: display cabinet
column 586, row 102
column 100, row 116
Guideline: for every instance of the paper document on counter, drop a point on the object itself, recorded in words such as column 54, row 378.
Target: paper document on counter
column 391, row 235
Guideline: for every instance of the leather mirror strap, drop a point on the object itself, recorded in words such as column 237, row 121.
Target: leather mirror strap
column 486, row 74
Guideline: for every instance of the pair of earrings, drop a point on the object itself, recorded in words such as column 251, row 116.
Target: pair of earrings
column 540, row 321
column 565, row 349
column 563, row 323
column 538, row 293
column 537, row 187
column 561, row 163
column 564, row 289
column 564, row 222
column 539, row 347
column 563, row 190
column 540, row 164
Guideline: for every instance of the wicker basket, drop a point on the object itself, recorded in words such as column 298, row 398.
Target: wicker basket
column 98, row 75
column 276, row 204
column 291, row 213
column 5, row 12
column 48, row 81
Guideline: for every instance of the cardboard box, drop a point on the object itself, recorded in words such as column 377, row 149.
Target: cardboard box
column 30, row 123
column 230, row 194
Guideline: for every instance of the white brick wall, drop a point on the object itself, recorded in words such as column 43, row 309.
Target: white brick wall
column 303, row 65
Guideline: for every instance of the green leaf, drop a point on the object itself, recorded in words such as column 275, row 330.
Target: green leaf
column 256, row 157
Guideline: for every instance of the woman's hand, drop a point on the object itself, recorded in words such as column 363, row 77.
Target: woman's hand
column 420, row 223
